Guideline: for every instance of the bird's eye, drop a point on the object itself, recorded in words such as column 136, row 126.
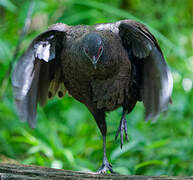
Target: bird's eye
column 100, row 50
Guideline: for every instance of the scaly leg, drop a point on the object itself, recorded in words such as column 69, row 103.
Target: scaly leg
column 106, row 165
column 100, row 120
column 122, row 127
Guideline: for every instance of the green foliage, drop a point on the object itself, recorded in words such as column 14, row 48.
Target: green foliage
column 66, row 135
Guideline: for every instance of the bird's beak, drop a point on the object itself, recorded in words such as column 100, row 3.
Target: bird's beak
column 94, row 62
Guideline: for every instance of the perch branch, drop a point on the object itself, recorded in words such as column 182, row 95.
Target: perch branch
column 17, row 171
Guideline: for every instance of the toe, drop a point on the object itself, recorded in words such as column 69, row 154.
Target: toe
column 121, row 137
column 122, row 130
column 125, row 130
column 117, row 133
column 104, row 168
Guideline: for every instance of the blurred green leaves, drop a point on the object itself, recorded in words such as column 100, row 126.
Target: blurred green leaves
column 8, row 5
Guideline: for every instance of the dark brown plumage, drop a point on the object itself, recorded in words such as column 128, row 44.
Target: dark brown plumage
column 104, row 66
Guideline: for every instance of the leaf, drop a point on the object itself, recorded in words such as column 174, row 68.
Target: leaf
column 118, row 152
column 8, row 5
column 148, row 163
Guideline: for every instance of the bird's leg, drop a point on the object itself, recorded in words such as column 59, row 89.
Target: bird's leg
column 100, row 120
column 122, row 128
column 106, row 165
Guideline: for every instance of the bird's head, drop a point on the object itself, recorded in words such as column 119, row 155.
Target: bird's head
column 93, row 47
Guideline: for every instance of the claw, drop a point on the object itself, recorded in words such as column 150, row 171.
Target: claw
column 106, row 166
column 122, row 128
column 125, row 130
column 117, row 133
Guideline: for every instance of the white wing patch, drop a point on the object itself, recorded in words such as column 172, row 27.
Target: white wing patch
column 44, row 51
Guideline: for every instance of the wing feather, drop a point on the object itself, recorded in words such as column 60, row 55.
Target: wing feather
column 32, row 74
column 157, row 81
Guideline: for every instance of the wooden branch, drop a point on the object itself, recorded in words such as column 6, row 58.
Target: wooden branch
column 17, row 171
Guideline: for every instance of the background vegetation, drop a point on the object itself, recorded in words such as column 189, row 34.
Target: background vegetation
column 66, row 135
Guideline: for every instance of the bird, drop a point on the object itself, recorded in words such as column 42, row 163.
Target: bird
column 104, row 66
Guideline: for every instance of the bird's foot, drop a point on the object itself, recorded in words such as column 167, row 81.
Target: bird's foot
column 106, row 166
column 122, row 128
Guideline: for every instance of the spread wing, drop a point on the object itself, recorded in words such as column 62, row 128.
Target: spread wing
column 37, row 71
column 157, row 82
